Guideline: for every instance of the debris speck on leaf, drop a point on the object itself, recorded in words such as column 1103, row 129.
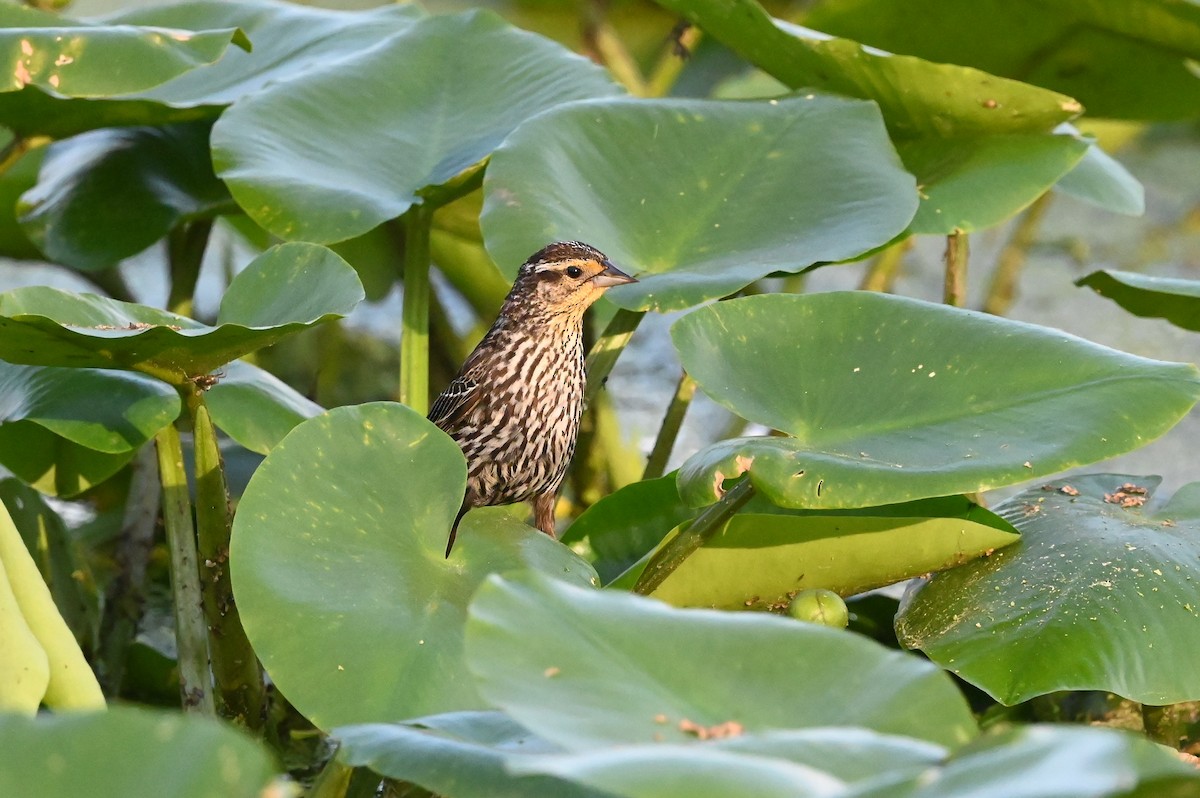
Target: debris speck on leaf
column 551, row 672
column 719, row 731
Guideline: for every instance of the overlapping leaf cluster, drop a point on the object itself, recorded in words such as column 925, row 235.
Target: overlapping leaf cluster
column 403, row 139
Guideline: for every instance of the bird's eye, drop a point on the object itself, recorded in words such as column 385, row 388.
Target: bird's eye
column 574, row 271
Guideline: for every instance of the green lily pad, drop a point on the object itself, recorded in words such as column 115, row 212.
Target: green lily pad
column 1101, row 180
column 971, row 184
column 820, row 761
column 256, row 408
column 289, row 40
column 890, row 399
column 626, row 524
column 762, row 561
column 117, row 753
column 107, row 411
column 585, row 668
column 1176, row 300
column 698, row 198
column 1120, row 59
column 60, row 72
column 1097, row 595
column 94, row 186
column 451, row 100
column 1037, row 761
column 287, row 289
column 917, row 97
column 464, row 754
column 342, row 584
column 55, row 465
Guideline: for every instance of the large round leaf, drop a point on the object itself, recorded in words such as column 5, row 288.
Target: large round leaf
column 699, row 198
column 289, row 40
column 1041, row 761
column 584, row 668
column 285, row 290
column 762, row 561
column 892, row 399
column 64, row 430
column 59, row 72
column 108, row 194
column 1121, row 59
column 455, row 87
column 256, row 408
column 339, row 570
column 971, row 184
column 464, row 754
column 1176, row 300
column 917, row 97
column 121, row 752
column 1097, row 595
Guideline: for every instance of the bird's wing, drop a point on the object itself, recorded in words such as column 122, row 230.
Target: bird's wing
column 461, row 396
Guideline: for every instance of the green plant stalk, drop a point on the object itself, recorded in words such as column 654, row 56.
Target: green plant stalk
column 185, row 253
column 608, row 348
column 664, row 74
column 656, row 464
column 190, row 636
column 1003, row 288
column 124, row 598
column 332, row 781
column 684, row 545
column 237, row 678
column 414, row 337
column 957, row 254
column 885, row 268
column 610, row 51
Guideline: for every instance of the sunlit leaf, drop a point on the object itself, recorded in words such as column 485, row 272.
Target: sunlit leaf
column 586, row 667
column 917, row 97
column 1097, row 595
column 888, row 399
column 698, row 198
column 451, row 99
column 342, row 584
column 285, row 290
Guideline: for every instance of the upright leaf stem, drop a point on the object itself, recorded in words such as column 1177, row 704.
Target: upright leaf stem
column 414, row 337
column 608, row 348
column 1003, row 288
column 191, row 638
column 679, row 548
column 237, row 678
column 185, row 254
column 656, row 464
column 957, row 252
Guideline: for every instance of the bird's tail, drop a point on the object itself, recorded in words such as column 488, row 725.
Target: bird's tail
column 454, row 527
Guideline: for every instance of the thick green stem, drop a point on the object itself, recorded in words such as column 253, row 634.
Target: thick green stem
column 957, row 252
column 332, row 781
column 191, row 639
column 608, row 49
column 185, row 253
column 608, row 348
column 1003, row 288
column 125, row 595
column 237, row 678
column 679, row 548
column 656, row 464
column 885, row 268
column 670, row 64
column 414, row 338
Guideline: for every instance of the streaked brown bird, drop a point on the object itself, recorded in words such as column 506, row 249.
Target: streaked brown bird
column 514, row 407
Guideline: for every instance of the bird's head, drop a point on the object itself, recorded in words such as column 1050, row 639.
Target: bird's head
column 566, row 277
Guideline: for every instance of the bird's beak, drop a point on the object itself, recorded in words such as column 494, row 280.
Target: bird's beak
column 611, row 276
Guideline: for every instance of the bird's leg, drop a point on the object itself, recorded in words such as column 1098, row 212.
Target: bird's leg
column 466, row 505
column 543, row 513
